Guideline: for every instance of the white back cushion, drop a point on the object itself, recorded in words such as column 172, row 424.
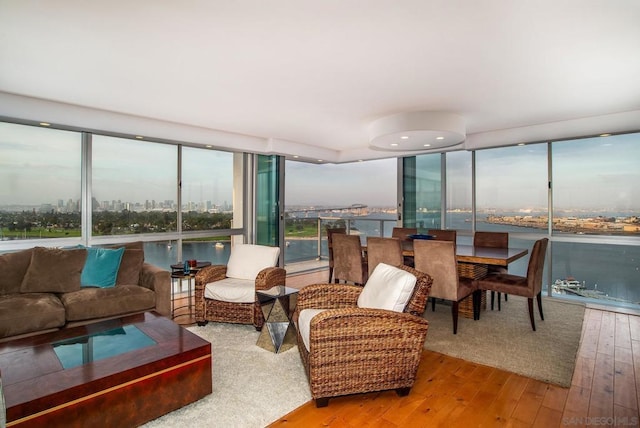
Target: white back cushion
column 387, row 288
column 247, row 260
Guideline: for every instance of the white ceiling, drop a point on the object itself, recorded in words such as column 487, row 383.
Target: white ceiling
column 307, row 77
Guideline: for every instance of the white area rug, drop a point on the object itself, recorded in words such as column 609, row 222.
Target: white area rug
column 252, row 387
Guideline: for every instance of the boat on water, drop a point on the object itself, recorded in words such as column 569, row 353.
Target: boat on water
column 219, row 245
column 569, row 282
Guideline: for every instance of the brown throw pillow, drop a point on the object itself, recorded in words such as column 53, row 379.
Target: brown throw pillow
column 130, row 266
column 13, row 267
column 53, row 270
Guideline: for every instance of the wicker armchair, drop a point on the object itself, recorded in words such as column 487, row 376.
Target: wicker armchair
column 249, row 312
column 357, row 350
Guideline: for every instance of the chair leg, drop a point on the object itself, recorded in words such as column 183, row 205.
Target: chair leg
column 493, row 295
column 539, row 297
column 530, row 304
column 403, row 392
column 505, row 297
column 499, row 308
column 322, row 402
column 433, row 304
column 454, row 315
column 477, row 301
column 330, row 274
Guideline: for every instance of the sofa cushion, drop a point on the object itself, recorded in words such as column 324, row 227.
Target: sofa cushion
column 13, row 267
column 130, row 267
column 101, row 267
column 53, row 270
column 387, row 288
column 231, row 290
column 92, row 302
column 247, row 260
column 137, row 245
column 28, row 312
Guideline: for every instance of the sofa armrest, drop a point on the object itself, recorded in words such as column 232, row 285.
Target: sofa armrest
column 158, row 280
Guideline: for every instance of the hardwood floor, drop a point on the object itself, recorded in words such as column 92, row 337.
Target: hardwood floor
column 605, row 390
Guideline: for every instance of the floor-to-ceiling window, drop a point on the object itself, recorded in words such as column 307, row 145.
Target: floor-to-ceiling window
column 596, row 218
column 358, row 195
column 40, row 183
column 130, row 187
column 459, row 176
column 422, row 191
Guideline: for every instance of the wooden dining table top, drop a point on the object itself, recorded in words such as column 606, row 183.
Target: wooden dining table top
column 479, row 255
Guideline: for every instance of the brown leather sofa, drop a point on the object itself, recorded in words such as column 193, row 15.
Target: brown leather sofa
column 40, row 290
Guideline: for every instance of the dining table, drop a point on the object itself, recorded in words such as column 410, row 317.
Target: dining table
column 473, row 262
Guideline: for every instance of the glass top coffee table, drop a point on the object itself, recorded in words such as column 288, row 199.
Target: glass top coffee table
column 119, row 372
column 279, row 332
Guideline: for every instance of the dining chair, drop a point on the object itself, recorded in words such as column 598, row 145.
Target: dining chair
column 383, row 250
column 493, row 240
column 443, row 235
column 529, row 286
column 438, row 259
column 403, row 234
column 330, row 232
column 349, row 263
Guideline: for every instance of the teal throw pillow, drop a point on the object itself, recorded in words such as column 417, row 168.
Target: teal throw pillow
column 101, row 267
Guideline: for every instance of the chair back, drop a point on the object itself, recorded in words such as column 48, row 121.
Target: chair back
column 383, row 250
column 349, row 264
column 491, row 239
column 418, row 300
column 438, row 259
column 443, row 235
column 536, row 265
column 330, row 233
column 402, row 233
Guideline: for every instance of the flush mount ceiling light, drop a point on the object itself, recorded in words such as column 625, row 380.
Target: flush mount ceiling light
column 416, row 130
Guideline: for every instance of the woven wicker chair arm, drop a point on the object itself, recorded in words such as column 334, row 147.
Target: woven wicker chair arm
column 328, row 296
column 270, row 277
column 210, row 274
column 367, row 330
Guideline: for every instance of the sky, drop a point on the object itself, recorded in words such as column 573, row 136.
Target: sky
column 39, row 165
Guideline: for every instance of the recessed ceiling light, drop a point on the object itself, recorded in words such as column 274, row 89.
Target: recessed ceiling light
column 605, row 135
column 439, row 138
column 139, row 137
column 427, row 145
column 404, row 137
column 320, row 160
column 521, row 144
column 45, row 124
column 208, row 146
column 296, row 156
column 394, row 144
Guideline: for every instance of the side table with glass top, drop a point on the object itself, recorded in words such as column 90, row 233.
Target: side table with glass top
column 179, row 274
column 279, row 332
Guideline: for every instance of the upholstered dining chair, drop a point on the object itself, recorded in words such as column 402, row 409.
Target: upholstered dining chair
column 330, row 232
column 443, row 235
column 403, row 233
column 493, row 240
column 349, row 262
column 529, row 286
column 438, row 259
column 227, row 293
column 362, row 339
column 383, row 250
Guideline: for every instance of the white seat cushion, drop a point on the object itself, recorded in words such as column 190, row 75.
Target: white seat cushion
column 231, row 290
column 304, row 323
column 388, row 288
column 247, row 260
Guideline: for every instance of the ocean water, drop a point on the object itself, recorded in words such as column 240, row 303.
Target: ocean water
column 610, row 270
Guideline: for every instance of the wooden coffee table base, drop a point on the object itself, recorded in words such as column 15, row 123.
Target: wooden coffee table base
column 125, row 390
